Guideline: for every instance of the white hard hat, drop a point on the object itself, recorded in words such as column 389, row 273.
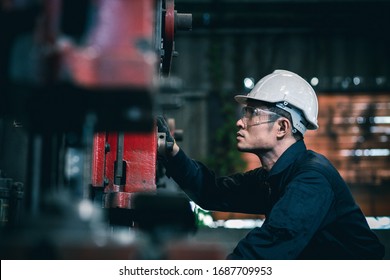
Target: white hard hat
column 291, row 93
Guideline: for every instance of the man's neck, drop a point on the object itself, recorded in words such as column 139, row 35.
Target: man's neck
column 270, row 157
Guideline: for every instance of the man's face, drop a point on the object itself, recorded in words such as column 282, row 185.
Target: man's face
column 256, row 129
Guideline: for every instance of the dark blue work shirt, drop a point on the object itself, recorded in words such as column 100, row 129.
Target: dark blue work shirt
column 310, row 212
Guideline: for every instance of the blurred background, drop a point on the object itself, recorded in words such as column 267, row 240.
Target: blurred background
column 80, row 84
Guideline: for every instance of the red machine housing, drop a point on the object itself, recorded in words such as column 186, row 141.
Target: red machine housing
column 120, row 48
column 139, row 161
column 130, row 46
column 120, row 54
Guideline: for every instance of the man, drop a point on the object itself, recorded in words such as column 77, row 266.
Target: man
column 310, row 212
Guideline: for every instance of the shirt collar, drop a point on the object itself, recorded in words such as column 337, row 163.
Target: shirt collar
column 288, row 157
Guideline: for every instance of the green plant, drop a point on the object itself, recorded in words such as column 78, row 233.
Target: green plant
column 224, row 157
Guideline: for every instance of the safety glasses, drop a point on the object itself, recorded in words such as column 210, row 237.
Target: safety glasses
column 252, row 116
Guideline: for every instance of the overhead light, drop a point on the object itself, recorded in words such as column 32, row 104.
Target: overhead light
column 356, row 81
column 314, row 81
column 249, row 83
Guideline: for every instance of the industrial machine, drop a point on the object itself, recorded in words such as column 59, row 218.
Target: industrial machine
column 78, row 140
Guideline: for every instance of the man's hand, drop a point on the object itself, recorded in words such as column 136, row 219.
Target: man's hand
column 163, row 126
column 170, row 148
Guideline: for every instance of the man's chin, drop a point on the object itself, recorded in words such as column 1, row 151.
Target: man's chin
column 243, row 149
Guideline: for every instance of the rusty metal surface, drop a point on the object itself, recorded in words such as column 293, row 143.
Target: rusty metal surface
column 98, row 159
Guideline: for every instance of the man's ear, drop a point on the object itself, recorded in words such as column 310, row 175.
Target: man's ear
column 283, row 127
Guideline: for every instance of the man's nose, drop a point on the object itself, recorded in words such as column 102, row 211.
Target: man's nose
column 240, row 123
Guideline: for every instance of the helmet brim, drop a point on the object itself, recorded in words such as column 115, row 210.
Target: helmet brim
column 243, row 99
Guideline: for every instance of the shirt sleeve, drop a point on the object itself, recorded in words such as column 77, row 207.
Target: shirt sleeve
column 292, row 222
column 240, row 192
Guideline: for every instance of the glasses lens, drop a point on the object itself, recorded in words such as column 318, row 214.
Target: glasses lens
column 247, row 115
column 252, row 116
column 247, row 112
